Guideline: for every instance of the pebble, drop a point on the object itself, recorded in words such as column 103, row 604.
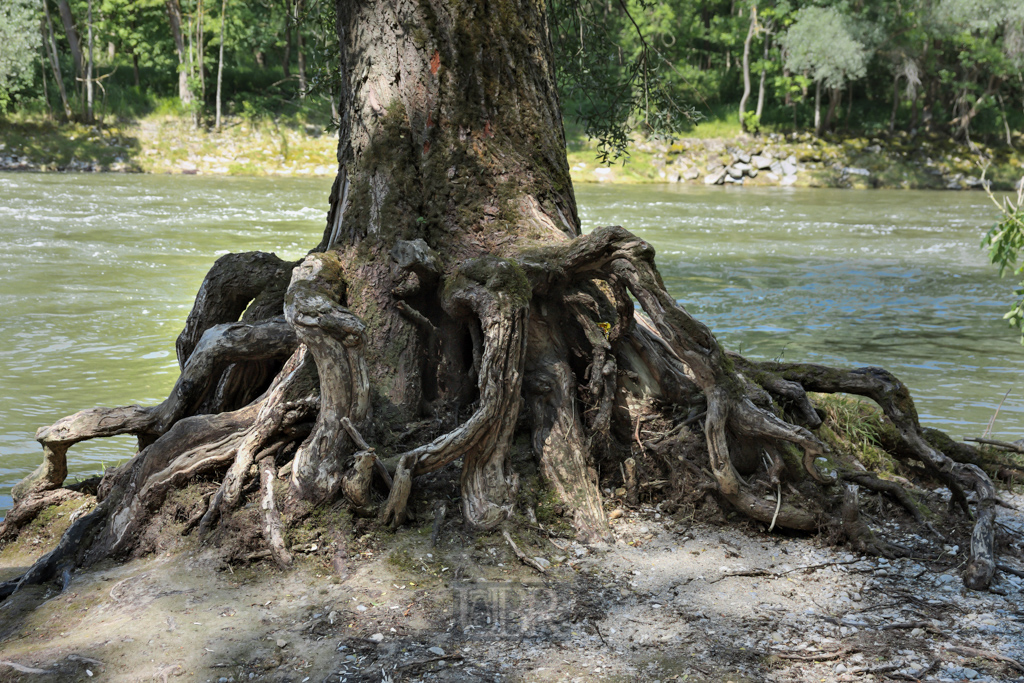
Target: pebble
column 362, row 608
column 970, row 673
column 281, row 643
column 377, row 637
column 436, row 651
column 840, row 668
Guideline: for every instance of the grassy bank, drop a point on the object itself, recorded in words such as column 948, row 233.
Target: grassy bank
column 299, row 145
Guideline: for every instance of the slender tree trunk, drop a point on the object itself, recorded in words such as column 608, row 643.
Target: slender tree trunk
column 88, row 72
column 200, row 42
column 286, row 62
column 817, row 108
column 174, row 16
column 51, row 43
column 746, row 69
column 300, row 47
column 895, row 103
column 137, row 78
column 68, row 20
column 834, row 97
column 42, row 70
column 220, row 57
column 764, row 77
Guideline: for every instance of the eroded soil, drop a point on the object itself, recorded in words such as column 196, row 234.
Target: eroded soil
column 669, row 600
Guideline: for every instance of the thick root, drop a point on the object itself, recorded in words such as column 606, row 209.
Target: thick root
column 271, row 517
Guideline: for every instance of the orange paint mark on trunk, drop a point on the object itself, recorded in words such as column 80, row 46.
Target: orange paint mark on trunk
column 435, row 62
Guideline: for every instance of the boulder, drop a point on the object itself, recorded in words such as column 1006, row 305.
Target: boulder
column 691, row 174
column 716, row 178
column 761, row 162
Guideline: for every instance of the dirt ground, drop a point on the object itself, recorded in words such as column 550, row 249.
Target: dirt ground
column 670, row 600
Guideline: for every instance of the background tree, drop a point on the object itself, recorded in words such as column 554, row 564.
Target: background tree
column 19, row 44
column 825, row 44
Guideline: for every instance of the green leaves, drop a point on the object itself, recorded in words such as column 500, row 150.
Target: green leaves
column 1005, row 241
column 19, row 46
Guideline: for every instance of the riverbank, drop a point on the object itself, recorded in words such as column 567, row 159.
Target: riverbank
column 669, row 600
column 294, row 146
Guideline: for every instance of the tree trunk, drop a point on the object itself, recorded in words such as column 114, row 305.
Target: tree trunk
column 452, row 283
column 300, row 7
column 51, row 45
column 220, row 58
column 746, row 69
column 174, row 16
column 817, row 108
column 88, row 72
column 834, row 97
column 764, row 78
column 68, row 20
column 895, row 103
column 286, row 62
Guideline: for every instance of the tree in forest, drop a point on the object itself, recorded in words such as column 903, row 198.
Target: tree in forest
column 19, row 46
column 825, row 43
column 452, row 310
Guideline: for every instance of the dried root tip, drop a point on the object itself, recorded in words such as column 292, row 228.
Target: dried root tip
column 357, row 483
column 395, row 510
column 860, row 534
column 271, row 517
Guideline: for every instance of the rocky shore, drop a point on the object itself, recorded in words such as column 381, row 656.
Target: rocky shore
column 899, row 162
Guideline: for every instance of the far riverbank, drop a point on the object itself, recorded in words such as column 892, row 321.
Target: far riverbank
column 296, row 147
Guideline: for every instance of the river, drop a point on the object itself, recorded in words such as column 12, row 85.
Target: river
column 99, row 272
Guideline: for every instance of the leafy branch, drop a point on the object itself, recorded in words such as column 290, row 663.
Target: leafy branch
column 1005, row 241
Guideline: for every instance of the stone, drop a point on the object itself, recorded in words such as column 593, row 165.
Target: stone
column 788, row 168
column 362, row 608
column 970, row 673
column 857, row 171
column 716, row 178
column 543, row 562
column 691, row 174
column 760, row 162
column 436, row 651
column 840, row 668
column 743, row 157
column 776, row 167
column 377, row 637
column 788, row 180
column 281, row 643
column 734, row 172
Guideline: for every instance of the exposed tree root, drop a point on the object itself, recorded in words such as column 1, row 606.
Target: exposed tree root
column 554, row 330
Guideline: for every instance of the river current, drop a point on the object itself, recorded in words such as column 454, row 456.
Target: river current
column 99, row 272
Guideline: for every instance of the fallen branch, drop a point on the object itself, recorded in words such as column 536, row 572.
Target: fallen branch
column 986, row 654
column 815, row 656
column 1003, row 445
column 526, row 559
column 23, row 669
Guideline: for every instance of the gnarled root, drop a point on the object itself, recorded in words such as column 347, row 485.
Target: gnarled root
column 272, row 532
column 335, row 339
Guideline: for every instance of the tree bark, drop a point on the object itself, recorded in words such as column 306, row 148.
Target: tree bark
column 220, row 59
column 174, row 17
column 764, row 77
column 68, row 20
column 746, row 69
column 51, row 51
column 88, row 71
column 300, row 7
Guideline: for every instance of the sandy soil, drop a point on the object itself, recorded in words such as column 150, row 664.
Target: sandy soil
column 668, row 601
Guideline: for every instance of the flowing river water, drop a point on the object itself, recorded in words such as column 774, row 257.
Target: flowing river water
column 99, row 272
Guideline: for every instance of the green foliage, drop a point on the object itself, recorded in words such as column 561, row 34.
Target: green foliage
column 19, row 46
column 1005, row 241
column 824, row 42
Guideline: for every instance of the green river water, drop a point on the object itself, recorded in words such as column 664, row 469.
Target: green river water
column 99, row 272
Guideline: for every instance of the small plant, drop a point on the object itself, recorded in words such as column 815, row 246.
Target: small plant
column 1005, row 241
